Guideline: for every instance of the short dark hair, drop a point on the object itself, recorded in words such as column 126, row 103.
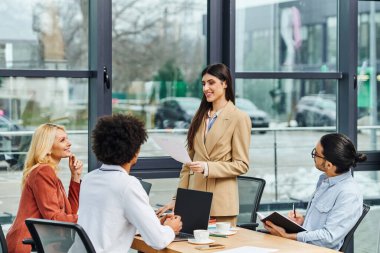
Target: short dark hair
column 340, row 151
column 117, row 138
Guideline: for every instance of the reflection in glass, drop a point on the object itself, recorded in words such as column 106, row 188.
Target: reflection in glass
column 286, row 35
column 288, row 102
column 27, row 103
column 159, row 51
column 44, row 34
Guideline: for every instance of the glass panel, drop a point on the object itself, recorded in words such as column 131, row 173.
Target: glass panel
column 44, row 34
column 159, row 51
column 286, row 105
column 288, row 102
column 286, row 35
column 368, row 76
column 367, row 235
column 25, row 103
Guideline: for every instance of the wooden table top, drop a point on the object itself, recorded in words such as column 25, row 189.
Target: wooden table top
column 243, row 237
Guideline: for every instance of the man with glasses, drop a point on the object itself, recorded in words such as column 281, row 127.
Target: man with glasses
column 337, row 202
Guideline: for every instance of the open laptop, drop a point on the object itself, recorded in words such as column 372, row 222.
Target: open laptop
column 194, row 208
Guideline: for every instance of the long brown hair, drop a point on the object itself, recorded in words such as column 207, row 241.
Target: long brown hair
column 222, row 72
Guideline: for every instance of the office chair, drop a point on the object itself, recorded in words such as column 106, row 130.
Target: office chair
column 349, row 236
column 146, row 185
column 3, row 243
column 55, row 236
column 250, row 192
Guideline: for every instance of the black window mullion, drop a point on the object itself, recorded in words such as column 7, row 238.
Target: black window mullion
column 47, row 73
column 100, row 59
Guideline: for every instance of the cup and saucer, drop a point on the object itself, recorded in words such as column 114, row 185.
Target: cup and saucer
column 201, row 237
column 224, row 228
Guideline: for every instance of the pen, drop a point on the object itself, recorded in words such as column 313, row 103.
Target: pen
column 215, row 235
column 294, row 211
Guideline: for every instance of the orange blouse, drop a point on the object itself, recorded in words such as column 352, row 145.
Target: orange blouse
column 43, row 197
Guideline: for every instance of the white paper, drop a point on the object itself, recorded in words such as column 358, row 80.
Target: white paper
column 249, row 249
column 173, row 147
column 261, row 216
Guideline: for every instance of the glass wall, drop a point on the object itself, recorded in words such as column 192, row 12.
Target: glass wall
column 44, row 34
column 368, row 77
column 286, row 35
column 159, row 50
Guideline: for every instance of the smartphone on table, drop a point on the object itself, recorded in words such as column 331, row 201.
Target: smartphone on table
column 210, row 246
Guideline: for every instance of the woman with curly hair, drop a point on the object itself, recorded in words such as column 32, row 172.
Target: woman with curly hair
column 113, row 204
column 43, row 195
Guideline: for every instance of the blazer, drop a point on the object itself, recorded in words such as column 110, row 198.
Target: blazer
column 44, row 197
column 226, row 151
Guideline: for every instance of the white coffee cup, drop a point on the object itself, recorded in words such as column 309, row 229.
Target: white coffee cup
column 201, row 235
column 223, row 227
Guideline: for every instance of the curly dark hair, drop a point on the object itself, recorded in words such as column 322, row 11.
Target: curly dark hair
column 117, row 138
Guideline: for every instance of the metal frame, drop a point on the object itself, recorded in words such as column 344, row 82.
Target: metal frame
column 100, row 57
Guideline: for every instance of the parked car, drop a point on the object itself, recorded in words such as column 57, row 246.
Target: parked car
column 176, row 112
column 9, row 143
column 258, row 117
column 316, row 110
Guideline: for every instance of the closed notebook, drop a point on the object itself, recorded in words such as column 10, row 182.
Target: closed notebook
column 281, row 221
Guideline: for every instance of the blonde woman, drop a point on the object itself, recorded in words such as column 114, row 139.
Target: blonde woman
column 43, row 195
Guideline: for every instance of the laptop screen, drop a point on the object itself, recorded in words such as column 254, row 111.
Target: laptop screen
column 194, row 208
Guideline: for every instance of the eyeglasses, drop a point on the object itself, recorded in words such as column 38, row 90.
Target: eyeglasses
column 314, row 154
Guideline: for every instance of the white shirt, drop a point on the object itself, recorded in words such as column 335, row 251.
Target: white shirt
column 112, row 206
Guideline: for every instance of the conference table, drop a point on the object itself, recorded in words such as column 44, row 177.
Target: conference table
column 243, row 237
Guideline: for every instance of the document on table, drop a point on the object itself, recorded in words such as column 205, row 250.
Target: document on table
column 249, row 249
column 173, row 147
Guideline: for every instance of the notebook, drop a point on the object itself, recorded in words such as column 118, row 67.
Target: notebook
column 194, row 208
column 280, row 220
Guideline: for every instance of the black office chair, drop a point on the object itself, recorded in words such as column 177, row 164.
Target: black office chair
column 250, row 192
column 349, row 236
column 3, row 243
column 146, row 185
column 55, row 236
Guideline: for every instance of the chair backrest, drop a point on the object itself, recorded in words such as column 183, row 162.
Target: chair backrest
column 250, row 192
column 145, row 185
column 3, row 243
column 56, row 236
column 349, row 236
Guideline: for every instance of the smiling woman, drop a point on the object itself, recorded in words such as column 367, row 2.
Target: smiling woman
column 43, row 195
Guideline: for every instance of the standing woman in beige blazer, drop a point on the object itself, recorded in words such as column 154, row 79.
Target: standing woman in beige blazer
column 218, row 143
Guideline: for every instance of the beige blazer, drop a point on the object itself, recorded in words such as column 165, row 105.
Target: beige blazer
column 226, row 151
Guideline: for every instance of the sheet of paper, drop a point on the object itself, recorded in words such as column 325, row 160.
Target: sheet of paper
column 173, row 147
column 249, row 249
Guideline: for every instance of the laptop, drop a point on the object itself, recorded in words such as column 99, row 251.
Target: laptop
column 194, row 208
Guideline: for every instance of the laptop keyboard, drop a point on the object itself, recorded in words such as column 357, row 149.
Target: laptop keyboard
column 184, row 236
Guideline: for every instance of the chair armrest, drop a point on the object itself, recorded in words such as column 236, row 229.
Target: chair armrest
column 250, row 226
column 29, row 241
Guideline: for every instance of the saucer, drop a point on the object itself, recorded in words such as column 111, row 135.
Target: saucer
column 193, row 241
column 230, row 232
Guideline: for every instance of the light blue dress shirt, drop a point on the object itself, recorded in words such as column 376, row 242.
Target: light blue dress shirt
column 334, row 209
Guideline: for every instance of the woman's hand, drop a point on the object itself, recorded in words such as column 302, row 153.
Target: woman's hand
column 168, row 206
column 76, row 167
column 197, row 167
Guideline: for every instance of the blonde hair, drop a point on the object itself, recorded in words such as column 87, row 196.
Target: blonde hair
column 40, row 149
